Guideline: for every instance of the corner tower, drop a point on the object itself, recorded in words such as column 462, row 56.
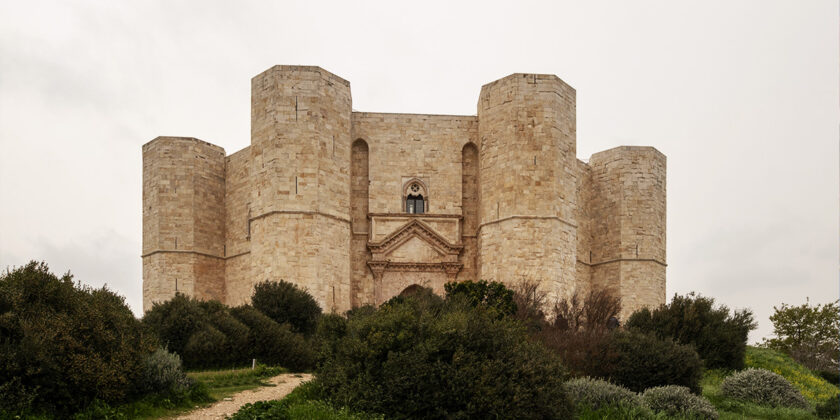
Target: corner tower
column 300, row 167
column 183, row 219
column 527, row 181
column 628, row 225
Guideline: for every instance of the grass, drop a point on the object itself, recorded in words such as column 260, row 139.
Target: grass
column 224, row 383
column 210, row 386
column 813, row 387
column 304, row 402
column 733, row 409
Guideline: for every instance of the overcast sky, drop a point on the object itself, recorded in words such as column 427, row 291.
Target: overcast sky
column 741, row 96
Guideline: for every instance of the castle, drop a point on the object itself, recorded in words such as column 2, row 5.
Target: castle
column 358, row 207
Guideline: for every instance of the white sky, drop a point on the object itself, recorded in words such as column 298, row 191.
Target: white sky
column 741, row 96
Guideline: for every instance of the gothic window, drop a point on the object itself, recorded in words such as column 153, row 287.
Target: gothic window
column 414, row 204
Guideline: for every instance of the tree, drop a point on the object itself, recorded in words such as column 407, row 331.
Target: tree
column 284, row 302
column 808, row 333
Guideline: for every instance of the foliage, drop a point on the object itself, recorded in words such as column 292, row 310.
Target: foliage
column 210, row 334
column 64, row 345
column 830, row 408
column 154, row 405
column 762, row 387
column 275, row 410
column 273, row 343
column 597, row 393
column 814, row 388
column 809, row 334
column 592, row 312
column 284, row 302
column 676, row 400
column 530, row 301
column 579, row 332
column 720, row 337
column 493, row 295
column 645, row 361
column 729, row 408
column 162, row 372
column 422, row 357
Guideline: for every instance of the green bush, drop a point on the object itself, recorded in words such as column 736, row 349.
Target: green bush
column 262, row 410
column 284, row 302
column 762, row 387
column 212, row 335
column 643, row 361
column 275, row 344
column 162, row 372
column 676, row 400
column 64, row 345
column 830, row 408
column 597, row 393
column 719, row 337
column 493, row 295
column 422, row 357
column 814, row 388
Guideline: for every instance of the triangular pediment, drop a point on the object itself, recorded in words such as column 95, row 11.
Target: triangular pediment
column 417, row 236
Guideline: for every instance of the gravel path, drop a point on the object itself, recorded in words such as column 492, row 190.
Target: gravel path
column 285, row 383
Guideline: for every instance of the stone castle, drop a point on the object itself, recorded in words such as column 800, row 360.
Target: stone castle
column 358, row 207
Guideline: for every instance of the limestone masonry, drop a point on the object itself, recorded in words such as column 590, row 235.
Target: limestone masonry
column 358, row 207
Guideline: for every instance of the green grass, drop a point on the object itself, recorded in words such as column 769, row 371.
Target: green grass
column 813, row 387
column 224, row 383
column 732, row 409
column 211, row 386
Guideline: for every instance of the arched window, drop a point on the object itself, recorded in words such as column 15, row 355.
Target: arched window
column 414, row 204
column 416, row 200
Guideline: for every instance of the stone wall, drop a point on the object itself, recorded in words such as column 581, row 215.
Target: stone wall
column 318, row 200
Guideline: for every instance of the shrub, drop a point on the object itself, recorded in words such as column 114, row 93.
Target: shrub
column 590, row 313
column 597, row 393
column 530, row 301
column 421, row 357
column 274, row 344
column 162, row 372
column 814, row 388
column 276, row 410
column 493, row 295
column 830, row 408
column 719, row 337
column 644, row 361
column 285, row 302
column 175, row 321
column 65, row 344
column 678, row 401
column 762, row 387
column 584, row 353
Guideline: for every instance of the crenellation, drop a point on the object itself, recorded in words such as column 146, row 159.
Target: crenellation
column 357, row 207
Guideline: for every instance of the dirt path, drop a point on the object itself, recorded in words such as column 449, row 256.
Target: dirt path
column 285, row 383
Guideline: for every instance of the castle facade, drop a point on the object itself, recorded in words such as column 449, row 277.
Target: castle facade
column 358, row 207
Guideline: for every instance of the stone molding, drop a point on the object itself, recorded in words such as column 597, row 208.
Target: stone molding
column 409, row 230
column 623, row 260
column 524, row 217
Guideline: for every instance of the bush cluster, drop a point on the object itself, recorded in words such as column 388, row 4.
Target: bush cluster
column 762, row 387
column 597, row 393
column 64, row 345
column 676, row 400
column 425, row 357
column 580, row 333
column 830, row 408
column 208, row 334
column 720, row 337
